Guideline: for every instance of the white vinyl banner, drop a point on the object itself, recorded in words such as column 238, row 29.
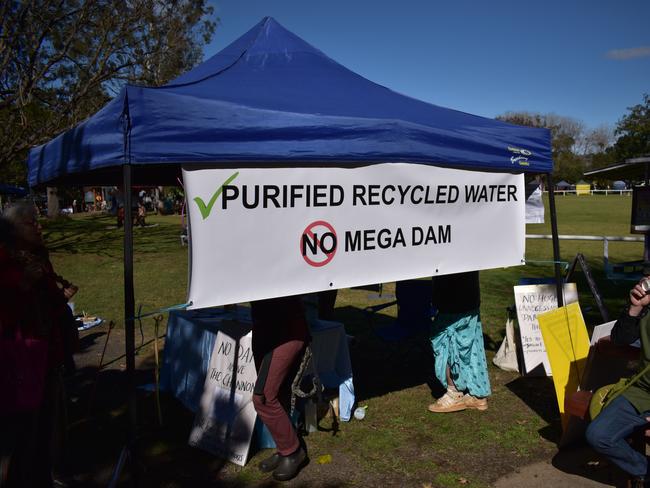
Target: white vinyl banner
column 259, row 233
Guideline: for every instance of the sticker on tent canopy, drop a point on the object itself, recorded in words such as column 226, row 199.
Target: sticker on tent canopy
column 268, row 232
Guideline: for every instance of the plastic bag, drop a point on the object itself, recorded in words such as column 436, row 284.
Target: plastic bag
column 506, row 356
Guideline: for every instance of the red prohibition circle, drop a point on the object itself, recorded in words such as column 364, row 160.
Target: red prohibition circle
column 309, row 232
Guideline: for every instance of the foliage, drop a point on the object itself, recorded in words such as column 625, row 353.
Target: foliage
column 61, row 60
column 633, row 131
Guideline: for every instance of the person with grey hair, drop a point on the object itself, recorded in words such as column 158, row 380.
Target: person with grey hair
column 24, row 216
column 54, row 325
column 22, row 365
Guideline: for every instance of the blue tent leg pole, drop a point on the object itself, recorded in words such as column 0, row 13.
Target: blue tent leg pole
column 129, row 325
column 559, row 281
column 128, row 452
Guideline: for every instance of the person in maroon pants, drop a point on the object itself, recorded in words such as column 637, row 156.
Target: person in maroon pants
column 280, row 334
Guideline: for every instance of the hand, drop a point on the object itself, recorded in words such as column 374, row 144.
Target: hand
column 69, row 291
column 638, row 299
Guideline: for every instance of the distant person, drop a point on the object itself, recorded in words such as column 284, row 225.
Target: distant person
column 630, row 411
column 114, row 204
column 148, row 202
column 457, row 342
column 120, row 216
column 280, row 335
column 141, row 215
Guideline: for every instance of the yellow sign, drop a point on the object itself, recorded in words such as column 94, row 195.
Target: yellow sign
column 567, row 346
column 583, row 189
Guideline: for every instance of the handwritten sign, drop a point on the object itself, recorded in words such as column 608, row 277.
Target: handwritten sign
column 224, row 423
column 532, row 300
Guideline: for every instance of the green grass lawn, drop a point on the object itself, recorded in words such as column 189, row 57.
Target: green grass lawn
column 399, row 443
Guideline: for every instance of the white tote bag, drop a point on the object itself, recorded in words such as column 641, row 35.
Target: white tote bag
column 506, row 356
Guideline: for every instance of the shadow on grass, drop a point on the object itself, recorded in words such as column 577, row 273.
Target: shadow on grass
column 97, row 234
column 89, row 340
column 97, row 435
column 538, row 393
column 382, row 366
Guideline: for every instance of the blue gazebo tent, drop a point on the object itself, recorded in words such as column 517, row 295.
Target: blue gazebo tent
column 270, row 99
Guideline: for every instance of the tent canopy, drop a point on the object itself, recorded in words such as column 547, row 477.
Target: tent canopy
column 271, row 98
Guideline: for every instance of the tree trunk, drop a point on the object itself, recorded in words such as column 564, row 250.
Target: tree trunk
column 52, row 203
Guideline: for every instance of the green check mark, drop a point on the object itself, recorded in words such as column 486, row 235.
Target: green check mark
column 206, row 209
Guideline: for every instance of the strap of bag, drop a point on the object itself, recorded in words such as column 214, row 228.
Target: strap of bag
column 635, row 378
column 296, row 391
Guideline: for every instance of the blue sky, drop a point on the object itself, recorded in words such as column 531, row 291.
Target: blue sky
column 589, row 60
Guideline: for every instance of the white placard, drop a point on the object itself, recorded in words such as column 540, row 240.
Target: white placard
column 532, row 300
column 226, row 418
column 262, row 233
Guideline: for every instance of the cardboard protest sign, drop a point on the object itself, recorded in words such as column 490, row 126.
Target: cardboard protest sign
column 224, row 423
column 265, row 232
column 532, row 300
column 567, row 344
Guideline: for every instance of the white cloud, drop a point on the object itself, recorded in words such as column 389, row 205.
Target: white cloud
column 630, row 53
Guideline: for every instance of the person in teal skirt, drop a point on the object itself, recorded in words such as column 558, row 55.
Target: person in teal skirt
column 457, row 342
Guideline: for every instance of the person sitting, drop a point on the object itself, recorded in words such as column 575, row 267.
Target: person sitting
column 280, row 335
column 628, row 412
column 457, row 342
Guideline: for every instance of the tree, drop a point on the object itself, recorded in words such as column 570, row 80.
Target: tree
column 62, row 60
column 633, row 131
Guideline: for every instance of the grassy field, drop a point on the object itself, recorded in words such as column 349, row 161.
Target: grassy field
column 399, row 443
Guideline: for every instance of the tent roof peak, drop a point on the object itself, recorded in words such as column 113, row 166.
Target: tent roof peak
column 267, row 38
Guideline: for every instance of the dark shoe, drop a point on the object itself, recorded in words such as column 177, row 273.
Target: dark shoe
column 290, row 465
column 270, row 463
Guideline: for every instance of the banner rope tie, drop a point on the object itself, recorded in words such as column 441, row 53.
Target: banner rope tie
column 180, row 306
column 565, row 264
